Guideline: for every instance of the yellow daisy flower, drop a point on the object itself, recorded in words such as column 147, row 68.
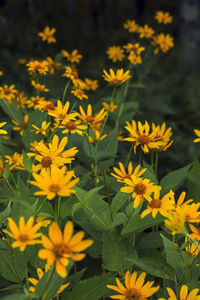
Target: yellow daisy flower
column 39, row 67
column 44, row 105
column 47, row 35
column 33, row 101
column 44, row 129
column 52, row 65
column 141, row 137
column 118, row 78
column 140, row 188
column 195, row 232
column 109, row 106
column 134, row 287
column 54, row 181
column 163, row 43
column 93, row 121
column 183, row 294
column 39, row 87
column 21, row 100
column 175, row 221
column 134, row 59
column 21, row 127
column 163, row 135
column 98, row 137
column 115, row 53
column 79, row 94
column 25, row 234
column 2, row 131
column 157, row 205
column 163, row 17
column 191, row 249
column 15, row 161
column 8, row 92
column 73, row 127
column 70, row 73
column 74, row 57
column 145, row 32
column 197, row 132
column 91, row 84
column 135, row 48
column 59, row 247
column 131, row 26
column 121, row 174
column 60, row 113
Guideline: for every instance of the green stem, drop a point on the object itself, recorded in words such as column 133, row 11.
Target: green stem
column 65, row 91
column 59, row 201
column 43, row 296
column 37, row 210
column 11, row 113
column 129, row 155
column 26, row 272
column 119, row 257
column 107, row 115
column 107, row 193
column 56, row 209
column 156, row 164
column 195, row 242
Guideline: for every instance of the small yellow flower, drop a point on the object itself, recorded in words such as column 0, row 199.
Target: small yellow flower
column 15, row 161
column 74, row 57
column 145, row 32
column 98, row 137
column 162, row 42
column 183, row 294
column 175, row 221
column 79, row 94
column 47, row 35
column 91, row 84
column 197, row 132
column 93, row 121
column 60, row 113
column 163, row 17
column 60, row 247
column 70, row 73
column 25, row 234
column 115, row 53
column 39, row 67
column 54, row 181
column 52, row 65
column 44, row 105
column 134, row 59
column 44, row 129
column 118, row 78
column 121, row 174
column 135, row 48
column 73, row 127
column 21, row 100
column 134, row 287
column 131, row 26
column 109, row 106
column 191, row 249
column 8, row 92
column 195, row 232
column 21, row 127
column 163, row 135
column 1, row 73
column 39, row 87
column 2, row 131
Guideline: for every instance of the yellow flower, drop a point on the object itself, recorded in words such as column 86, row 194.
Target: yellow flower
column 60, row 112
column 163, row 136
column 2, row 131
column 98, row 137
column 163, row 43
column 44, row 128
column 134, row 59
column 39, row 87
column 191, row 249
column 33, row 101
column 42, row 221
column 15, row 161
column 183, row 294
column 159, row 205
column 118, row 78
column 47, row 35
column 197, row 132
column 60, row 247
column 22, row 61
column 135, row 48
column 120, row 136
column 109, row 107
column 131, row 26
column 134, row 287
column 73, row 127
column 39, row 67
column 175, row 221
column 25, row 234
column 1, row 73
column 93, row 121
column 21, row 99
column 21, row 127
column 40, row 274
column 145, row 32
column 70, row 73
column 2, row 168
column 54, row 181
column 163, row 17
column 8, row 92
column 195, row 232
column 142, row 137
column 52, row 65
column 115, row 53
column 140, row 188
column 74, row 57
column 121, row 174
column 44, row 105
column 79, row 94
column 91, row 84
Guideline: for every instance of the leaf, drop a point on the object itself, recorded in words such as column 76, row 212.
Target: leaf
column 150, row 240
column 17, row 296
column 156, row 266
column 27, row 162
column 119, row 218
column 12, row 111
column 5, row 213
column 149, row 173
column 110, row 143
column 174, row 179
column 118, row 201
column 93, row 288
column 193, row 188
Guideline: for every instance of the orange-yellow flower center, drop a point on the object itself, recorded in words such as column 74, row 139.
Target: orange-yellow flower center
column 60, row 250
column 155, row 203
column 7, row 92
column 140, row 188
column 23, row 238
column 116, row 81
column 132, row 294
column 54, row 188
column 46, row 161
column 128, row 176
column 49, row 106
column 90, row 119
column 70, row 125
column 61, row 116
column 143, row 139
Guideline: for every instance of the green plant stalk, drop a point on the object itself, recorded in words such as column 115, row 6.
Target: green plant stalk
column 92, row 156
column 59, row 201
column 41, row 205
column 108, row 194
column 107, row 115
column 65, row 91
column 43, row 296
column 26, row 272
column 156, row 164
column 195, row 242
column 56, row 209
column 129, row 155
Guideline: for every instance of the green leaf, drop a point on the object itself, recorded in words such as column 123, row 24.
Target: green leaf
column 27, row 162
column 118, row 201
column 93, row 288
column 154, row 265
column 110, row 143
column 12, row 111
column 5, row 213
column 17, row 296
column 193, row 188
column 150, row 240
column 149, row 173
column 174, row 179
column 118, row 219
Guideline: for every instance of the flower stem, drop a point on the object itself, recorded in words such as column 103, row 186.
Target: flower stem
column 37, row 210
column 65, row 91
column 107, row 115
column 156, row 164
column 43, row 296
column 129, row 155
column 26, row 272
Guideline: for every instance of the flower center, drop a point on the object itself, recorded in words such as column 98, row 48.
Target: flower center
column 54, row 188
column 61, row 116
column 49, row 106
column 140, row 188
column 143, row 139
column 60, row 250
column 7, row 92
column 155, row 203
column 46, row 161
column 90, row 119
column 23, row 238
column 132, row 294
column 70, row 125
column 116, row 81
column 128, row 176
